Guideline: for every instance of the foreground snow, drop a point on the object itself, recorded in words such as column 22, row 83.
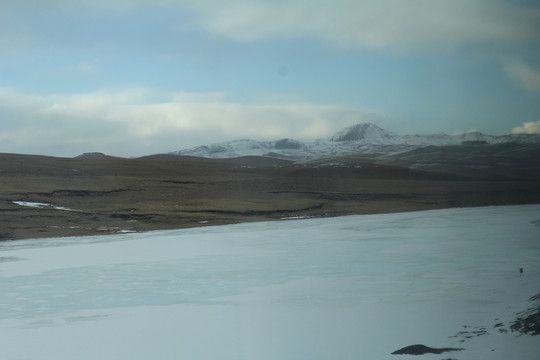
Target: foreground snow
column 357, row 287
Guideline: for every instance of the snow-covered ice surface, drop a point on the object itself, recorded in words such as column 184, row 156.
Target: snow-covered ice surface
column 355, row 287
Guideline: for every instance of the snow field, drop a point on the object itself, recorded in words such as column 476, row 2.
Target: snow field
column 355, row 287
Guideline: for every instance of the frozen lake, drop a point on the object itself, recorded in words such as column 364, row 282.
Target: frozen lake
column 355, row 287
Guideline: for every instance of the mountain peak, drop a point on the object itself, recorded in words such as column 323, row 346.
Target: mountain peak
column 365, row 133
column 362, row 138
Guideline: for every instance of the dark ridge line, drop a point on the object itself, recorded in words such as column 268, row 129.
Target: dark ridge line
column 181, row 182
column 356, row 196
column 254, row 212
column 67, row 192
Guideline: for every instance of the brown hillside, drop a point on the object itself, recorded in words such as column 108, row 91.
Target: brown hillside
column 110, row 195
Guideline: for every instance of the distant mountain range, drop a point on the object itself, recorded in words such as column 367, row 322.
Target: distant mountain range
column 360, row 139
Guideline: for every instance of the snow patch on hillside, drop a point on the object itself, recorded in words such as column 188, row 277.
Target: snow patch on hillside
column 40, row 205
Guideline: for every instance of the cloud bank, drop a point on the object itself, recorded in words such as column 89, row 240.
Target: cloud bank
column 528, row 128
column 371, row 23
column 400, row 24
column 129, row 123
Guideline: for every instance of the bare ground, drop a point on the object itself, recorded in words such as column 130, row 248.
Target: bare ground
column 111, row 195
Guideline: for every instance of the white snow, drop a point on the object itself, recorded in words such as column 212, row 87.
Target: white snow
column 40, row 205
column 31, row 204
column 297, row 217
column 355, row 287
column 363, row 138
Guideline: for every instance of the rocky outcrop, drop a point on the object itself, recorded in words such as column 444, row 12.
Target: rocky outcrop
column 420, row 349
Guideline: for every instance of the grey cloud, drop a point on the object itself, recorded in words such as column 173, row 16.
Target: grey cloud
column 400, row 24
column 524, row 76
column 371, row 23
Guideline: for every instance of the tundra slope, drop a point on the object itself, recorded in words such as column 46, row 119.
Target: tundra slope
column 99, row 194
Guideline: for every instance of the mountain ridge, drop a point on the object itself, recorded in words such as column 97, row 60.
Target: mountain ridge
column 359, row 139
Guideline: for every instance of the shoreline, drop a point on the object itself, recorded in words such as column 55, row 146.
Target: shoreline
column 99, row 232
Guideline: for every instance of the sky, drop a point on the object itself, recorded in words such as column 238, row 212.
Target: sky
column 139, row 77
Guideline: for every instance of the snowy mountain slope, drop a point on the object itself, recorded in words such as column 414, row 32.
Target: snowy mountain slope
column 247, row 147
column 355, row 287
column 510, row 160
column 363, row 138
column 366, row 133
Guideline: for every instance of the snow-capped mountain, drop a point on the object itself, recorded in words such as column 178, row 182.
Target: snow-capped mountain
column 247, row 147
column 363, row 138
column 366, row 133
